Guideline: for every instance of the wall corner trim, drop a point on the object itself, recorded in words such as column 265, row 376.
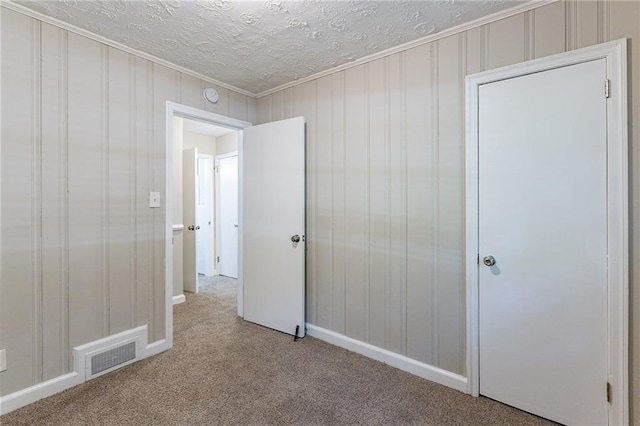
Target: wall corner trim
column 393, row 359
column 34, row 393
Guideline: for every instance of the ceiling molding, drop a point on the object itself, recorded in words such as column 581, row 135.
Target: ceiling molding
column 9, row 4
column 532, row 4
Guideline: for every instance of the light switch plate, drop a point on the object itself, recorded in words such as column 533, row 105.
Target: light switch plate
column 154, row 199
column 3, row 359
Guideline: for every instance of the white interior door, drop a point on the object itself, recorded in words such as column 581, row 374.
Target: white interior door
column 190, row 217
column 543, row 218
column 273, row 219
column 204, row 235
column 227, row 170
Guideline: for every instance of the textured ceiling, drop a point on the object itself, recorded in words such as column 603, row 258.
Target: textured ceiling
column 259, row 45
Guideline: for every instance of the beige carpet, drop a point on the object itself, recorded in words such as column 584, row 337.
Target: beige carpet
column 223, row 370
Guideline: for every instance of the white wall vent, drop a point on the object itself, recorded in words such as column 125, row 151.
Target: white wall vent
column 102, row 356
column 112, row 358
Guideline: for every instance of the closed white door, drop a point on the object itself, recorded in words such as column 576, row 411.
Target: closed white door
column 543, row 220
column 227, row 170
column 273, row 220
column 190, row 218
column 204, row 235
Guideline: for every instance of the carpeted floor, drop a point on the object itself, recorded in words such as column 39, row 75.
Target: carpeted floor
column 225, row 371
column 218, row 285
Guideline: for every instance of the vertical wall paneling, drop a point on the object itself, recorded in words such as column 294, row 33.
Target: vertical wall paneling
column 191, row 90
column 238, row 106
column 17, row 303
column 86, row 210
column 263, row 113
column 36, row 197
column 356, row 228
column 304, row 97
column 587, row 27
column 104, row 180
column 143, row 183
column 549, row 29
column 396, row 204
column 449, row 278
column 166, row 87
column 277, row 106
column 338, row 179
column 287, row 98
column 83, row 141
column 121, row 197
column 571, row 24
column 54, row 294
column 506, row 42
column 323, row 195
column 378, row 271
column 420, row 170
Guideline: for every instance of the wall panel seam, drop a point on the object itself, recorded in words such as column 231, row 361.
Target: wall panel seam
column 314, row 213
column 331, row 206
column 104, row 141
column 387, row 296
column 367, row 287
column 405, row 198
column 344, row 200
column 66, row 358
column 36, row 198
column 435, row 176
column 462, row 67
column 149, row 213
column 133, row 183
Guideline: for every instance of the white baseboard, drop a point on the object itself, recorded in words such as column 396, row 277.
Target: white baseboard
column 23, row 397
column 179, row 299
column 409, row 365
column 29, row 395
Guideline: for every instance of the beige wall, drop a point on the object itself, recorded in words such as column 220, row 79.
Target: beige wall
column 83, row 143
column 227, row 143
column 385, row 188
column 205, row 144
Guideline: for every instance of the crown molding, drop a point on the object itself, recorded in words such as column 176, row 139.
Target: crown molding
column 10, row 4
column 525, row 7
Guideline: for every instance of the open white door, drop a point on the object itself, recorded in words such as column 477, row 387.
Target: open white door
column 204, row 236
column 273, row 199
column 189, row 212
column 227, row 205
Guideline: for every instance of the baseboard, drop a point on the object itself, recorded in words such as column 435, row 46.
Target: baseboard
column 409, row 365
column 29, row 395
column 179, row 299
column 23, row 397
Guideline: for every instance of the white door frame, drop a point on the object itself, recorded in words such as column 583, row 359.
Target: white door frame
column 211, row 185
column 615, row 53
column 217, row 206
column 175, row 109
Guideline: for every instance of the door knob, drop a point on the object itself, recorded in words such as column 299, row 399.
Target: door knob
column 295, row 238
column 191, row 228
column 489, row 260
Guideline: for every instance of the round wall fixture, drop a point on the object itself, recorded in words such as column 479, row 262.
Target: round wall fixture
column 211, row 95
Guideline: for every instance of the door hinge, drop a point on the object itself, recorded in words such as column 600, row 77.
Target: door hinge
column 609, row 392
column 606, row 88
column 218, row 259
column 478, row 259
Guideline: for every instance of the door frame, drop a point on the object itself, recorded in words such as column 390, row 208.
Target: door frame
column 211, row 184
column 615, row 53
column 175, row 109
column 217, row 159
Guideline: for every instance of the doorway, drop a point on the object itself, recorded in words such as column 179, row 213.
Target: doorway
column 227, row 214
column 547, row 236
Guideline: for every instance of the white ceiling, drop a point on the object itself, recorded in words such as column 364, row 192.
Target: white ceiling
column 259, row 45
